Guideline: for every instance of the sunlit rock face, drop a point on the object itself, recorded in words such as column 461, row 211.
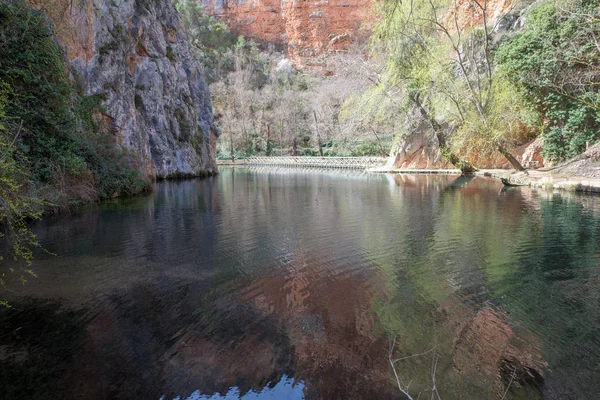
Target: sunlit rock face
column 136, row 56
column 308, row 29
column 419, row 149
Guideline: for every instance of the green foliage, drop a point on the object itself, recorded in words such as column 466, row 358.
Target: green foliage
column 219, row 50
column 70, row 158
column 302, row 82
column 107, row 47
column 170, row 54
column 16, row 205
column 197, row 142
column 543, row 78
column 308, row 152
column 211, row 38
column 270, row 147
column 408, row 35
column 31, row 64
column 117, row 180
column 365, row 148
column 226, row 155
column 52, row 150
column 508, row 121
column 427, row 77
column 554, row 62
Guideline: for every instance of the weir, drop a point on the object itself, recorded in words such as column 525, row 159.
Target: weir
column 317, row 162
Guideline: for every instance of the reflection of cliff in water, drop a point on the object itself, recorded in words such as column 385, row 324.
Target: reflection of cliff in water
column 171, row 315
column 441, row 306
column 266, row 278
column 486, row 262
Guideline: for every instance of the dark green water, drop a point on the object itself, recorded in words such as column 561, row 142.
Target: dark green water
column 297, row 284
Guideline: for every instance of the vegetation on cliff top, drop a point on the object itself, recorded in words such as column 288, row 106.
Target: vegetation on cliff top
column 485, row 91
column 554, row 62
column 213, row 41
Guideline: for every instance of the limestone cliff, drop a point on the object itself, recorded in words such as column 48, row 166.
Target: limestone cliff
column 136, row 55
column 307, row 28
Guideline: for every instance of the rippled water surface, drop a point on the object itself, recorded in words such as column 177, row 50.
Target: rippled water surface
column 283, row 284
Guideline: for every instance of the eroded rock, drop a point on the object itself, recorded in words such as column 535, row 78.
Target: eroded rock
column 136, row 55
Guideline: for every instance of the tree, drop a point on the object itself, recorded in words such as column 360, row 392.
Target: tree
column 445, row 71
column 265, row 106
column 17, row 207
column 554, row 64
column 211, row 38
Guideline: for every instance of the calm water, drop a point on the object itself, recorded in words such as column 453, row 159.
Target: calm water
column 275, row 284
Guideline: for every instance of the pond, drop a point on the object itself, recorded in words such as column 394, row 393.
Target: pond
column 291, row 284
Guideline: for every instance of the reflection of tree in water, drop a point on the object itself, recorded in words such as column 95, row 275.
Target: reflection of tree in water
column 278, row 274
column 554, row 290
column 471, row 260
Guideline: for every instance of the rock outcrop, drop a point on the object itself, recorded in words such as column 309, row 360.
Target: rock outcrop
column 136, row 56
column 307, row 28
column 420, row 150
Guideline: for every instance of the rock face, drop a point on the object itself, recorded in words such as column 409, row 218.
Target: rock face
column 307, row 28
column 135, row 54
column 420, row 149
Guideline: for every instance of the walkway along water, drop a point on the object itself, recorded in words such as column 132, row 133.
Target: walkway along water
column 321, row 162
column 538, row 178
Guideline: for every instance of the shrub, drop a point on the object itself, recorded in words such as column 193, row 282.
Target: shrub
column 69, row 156
column 16, row 205
column 554, row 63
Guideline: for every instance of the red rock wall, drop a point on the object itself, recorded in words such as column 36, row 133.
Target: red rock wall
column 469, row 14
column 314, row 27
column 308, row 28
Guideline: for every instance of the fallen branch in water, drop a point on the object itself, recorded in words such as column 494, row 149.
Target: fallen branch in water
column 405, row 389
column 507, row 182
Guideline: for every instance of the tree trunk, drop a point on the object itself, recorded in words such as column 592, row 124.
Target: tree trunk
column 245, row 132
column 281, row 138
column 464, row 166
column 232, row 149
column 268, row 151
column 511, row 159
column 318, row 136
column 381, row 149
